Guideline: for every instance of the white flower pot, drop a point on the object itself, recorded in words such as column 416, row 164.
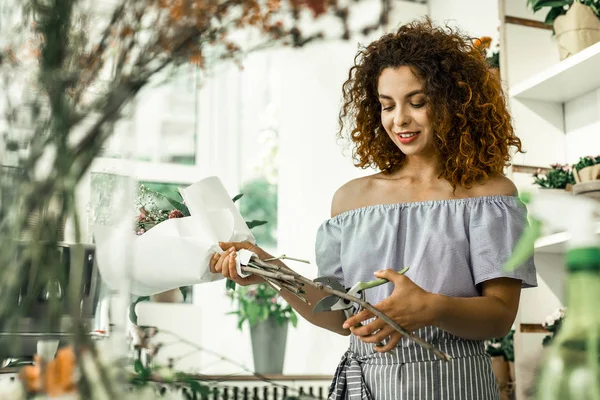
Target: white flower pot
column 577, row 29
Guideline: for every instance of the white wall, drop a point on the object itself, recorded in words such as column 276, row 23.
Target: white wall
column 582, row 126
column 313, row 166
column 475, row 17
column 305, row 87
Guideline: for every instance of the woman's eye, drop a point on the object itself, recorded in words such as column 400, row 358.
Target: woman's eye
column 388, row 108
column 417, row 105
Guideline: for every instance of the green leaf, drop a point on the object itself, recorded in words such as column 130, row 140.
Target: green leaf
column 552, row 14
column 237, row 197
column 241, row 323
column 229, row 284
column 537, row 5
column 264, row 313
column 184, row 292
column 132, row 315
column 197, row 388
column 142, row 371
column 255, row 223
column 254, row 313
column 138, row 367
column 293, row 319
column 180, row 206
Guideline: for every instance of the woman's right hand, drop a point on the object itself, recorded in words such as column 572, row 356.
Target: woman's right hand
column 224, row 263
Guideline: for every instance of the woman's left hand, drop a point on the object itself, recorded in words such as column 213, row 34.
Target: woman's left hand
column 409, row 305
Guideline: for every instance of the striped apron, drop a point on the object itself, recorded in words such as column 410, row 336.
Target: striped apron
column 411, row 373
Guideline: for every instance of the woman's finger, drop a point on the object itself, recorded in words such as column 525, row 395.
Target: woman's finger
column 391, row 344
column 378, row 336
column 213, row 262
column 219, row 263
column 358, row 318
column 233, row 275
column 222, row 265
column 368, row 329
column 236, row 245
column 225, row 265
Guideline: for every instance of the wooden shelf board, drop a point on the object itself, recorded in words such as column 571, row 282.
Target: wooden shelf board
column 564, row 81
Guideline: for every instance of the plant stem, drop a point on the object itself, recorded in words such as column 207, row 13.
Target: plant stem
column 301, row 280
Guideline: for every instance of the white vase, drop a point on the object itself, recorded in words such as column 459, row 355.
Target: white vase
column 587, row 174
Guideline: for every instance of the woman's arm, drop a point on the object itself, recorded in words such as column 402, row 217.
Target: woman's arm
column 476, row 318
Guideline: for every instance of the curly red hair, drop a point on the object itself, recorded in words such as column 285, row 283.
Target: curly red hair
column 472, row 126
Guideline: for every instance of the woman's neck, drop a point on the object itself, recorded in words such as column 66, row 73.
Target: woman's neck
column 421, row 168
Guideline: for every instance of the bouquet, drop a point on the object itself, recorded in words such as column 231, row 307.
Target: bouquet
column 156, row 207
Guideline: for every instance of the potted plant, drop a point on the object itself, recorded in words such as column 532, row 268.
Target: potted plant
column 552, row 325
column 587, row 177
column 268, row 316
column 558, row 177
column 501, row 350
column 576, row 23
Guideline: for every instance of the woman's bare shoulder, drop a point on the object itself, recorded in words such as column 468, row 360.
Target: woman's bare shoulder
column 496, row 185
column 350, row 195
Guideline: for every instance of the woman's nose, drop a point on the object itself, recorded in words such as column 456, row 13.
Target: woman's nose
column 401, row 117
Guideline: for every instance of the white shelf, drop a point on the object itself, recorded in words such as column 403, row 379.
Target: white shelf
column 564, row 81
column 555, row 243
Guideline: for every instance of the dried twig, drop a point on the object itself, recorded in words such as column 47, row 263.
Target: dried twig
column 297, row 281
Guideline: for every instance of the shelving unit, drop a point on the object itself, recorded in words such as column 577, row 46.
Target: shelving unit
column 563, row 82
column 556, row 108
column 555, row 243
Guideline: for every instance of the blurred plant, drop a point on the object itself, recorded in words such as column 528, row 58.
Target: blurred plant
column 503, row 347
column 586, row 161
column 261, row 204
column 491, row 56
column 552, row 324
column 257, row 303
column 558, row 177
column 560, row 7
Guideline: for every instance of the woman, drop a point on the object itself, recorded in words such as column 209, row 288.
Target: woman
column 422, row 107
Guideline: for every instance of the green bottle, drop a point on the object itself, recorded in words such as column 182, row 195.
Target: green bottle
column 570, row 369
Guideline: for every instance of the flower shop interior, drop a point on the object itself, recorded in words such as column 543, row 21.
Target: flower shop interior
column 264, row 122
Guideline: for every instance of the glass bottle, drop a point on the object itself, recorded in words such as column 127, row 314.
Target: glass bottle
column 570, row 370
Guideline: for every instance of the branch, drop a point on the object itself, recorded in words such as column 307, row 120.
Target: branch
column 255, row 267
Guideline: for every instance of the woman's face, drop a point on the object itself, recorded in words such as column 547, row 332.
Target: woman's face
column 404, row 111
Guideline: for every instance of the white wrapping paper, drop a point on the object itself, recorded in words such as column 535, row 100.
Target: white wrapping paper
column 175, row 252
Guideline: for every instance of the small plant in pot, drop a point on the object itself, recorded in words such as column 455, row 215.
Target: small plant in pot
column 587, row 177
column 575, row 23
column 268, row 316
column 558, row 177
column 587, row 169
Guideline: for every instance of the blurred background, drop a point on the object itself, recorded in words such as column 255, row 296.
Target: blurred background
column 268, row 130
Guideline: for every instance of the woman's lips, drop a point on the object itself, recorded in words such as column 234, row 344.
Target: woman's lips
column 407, row 137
